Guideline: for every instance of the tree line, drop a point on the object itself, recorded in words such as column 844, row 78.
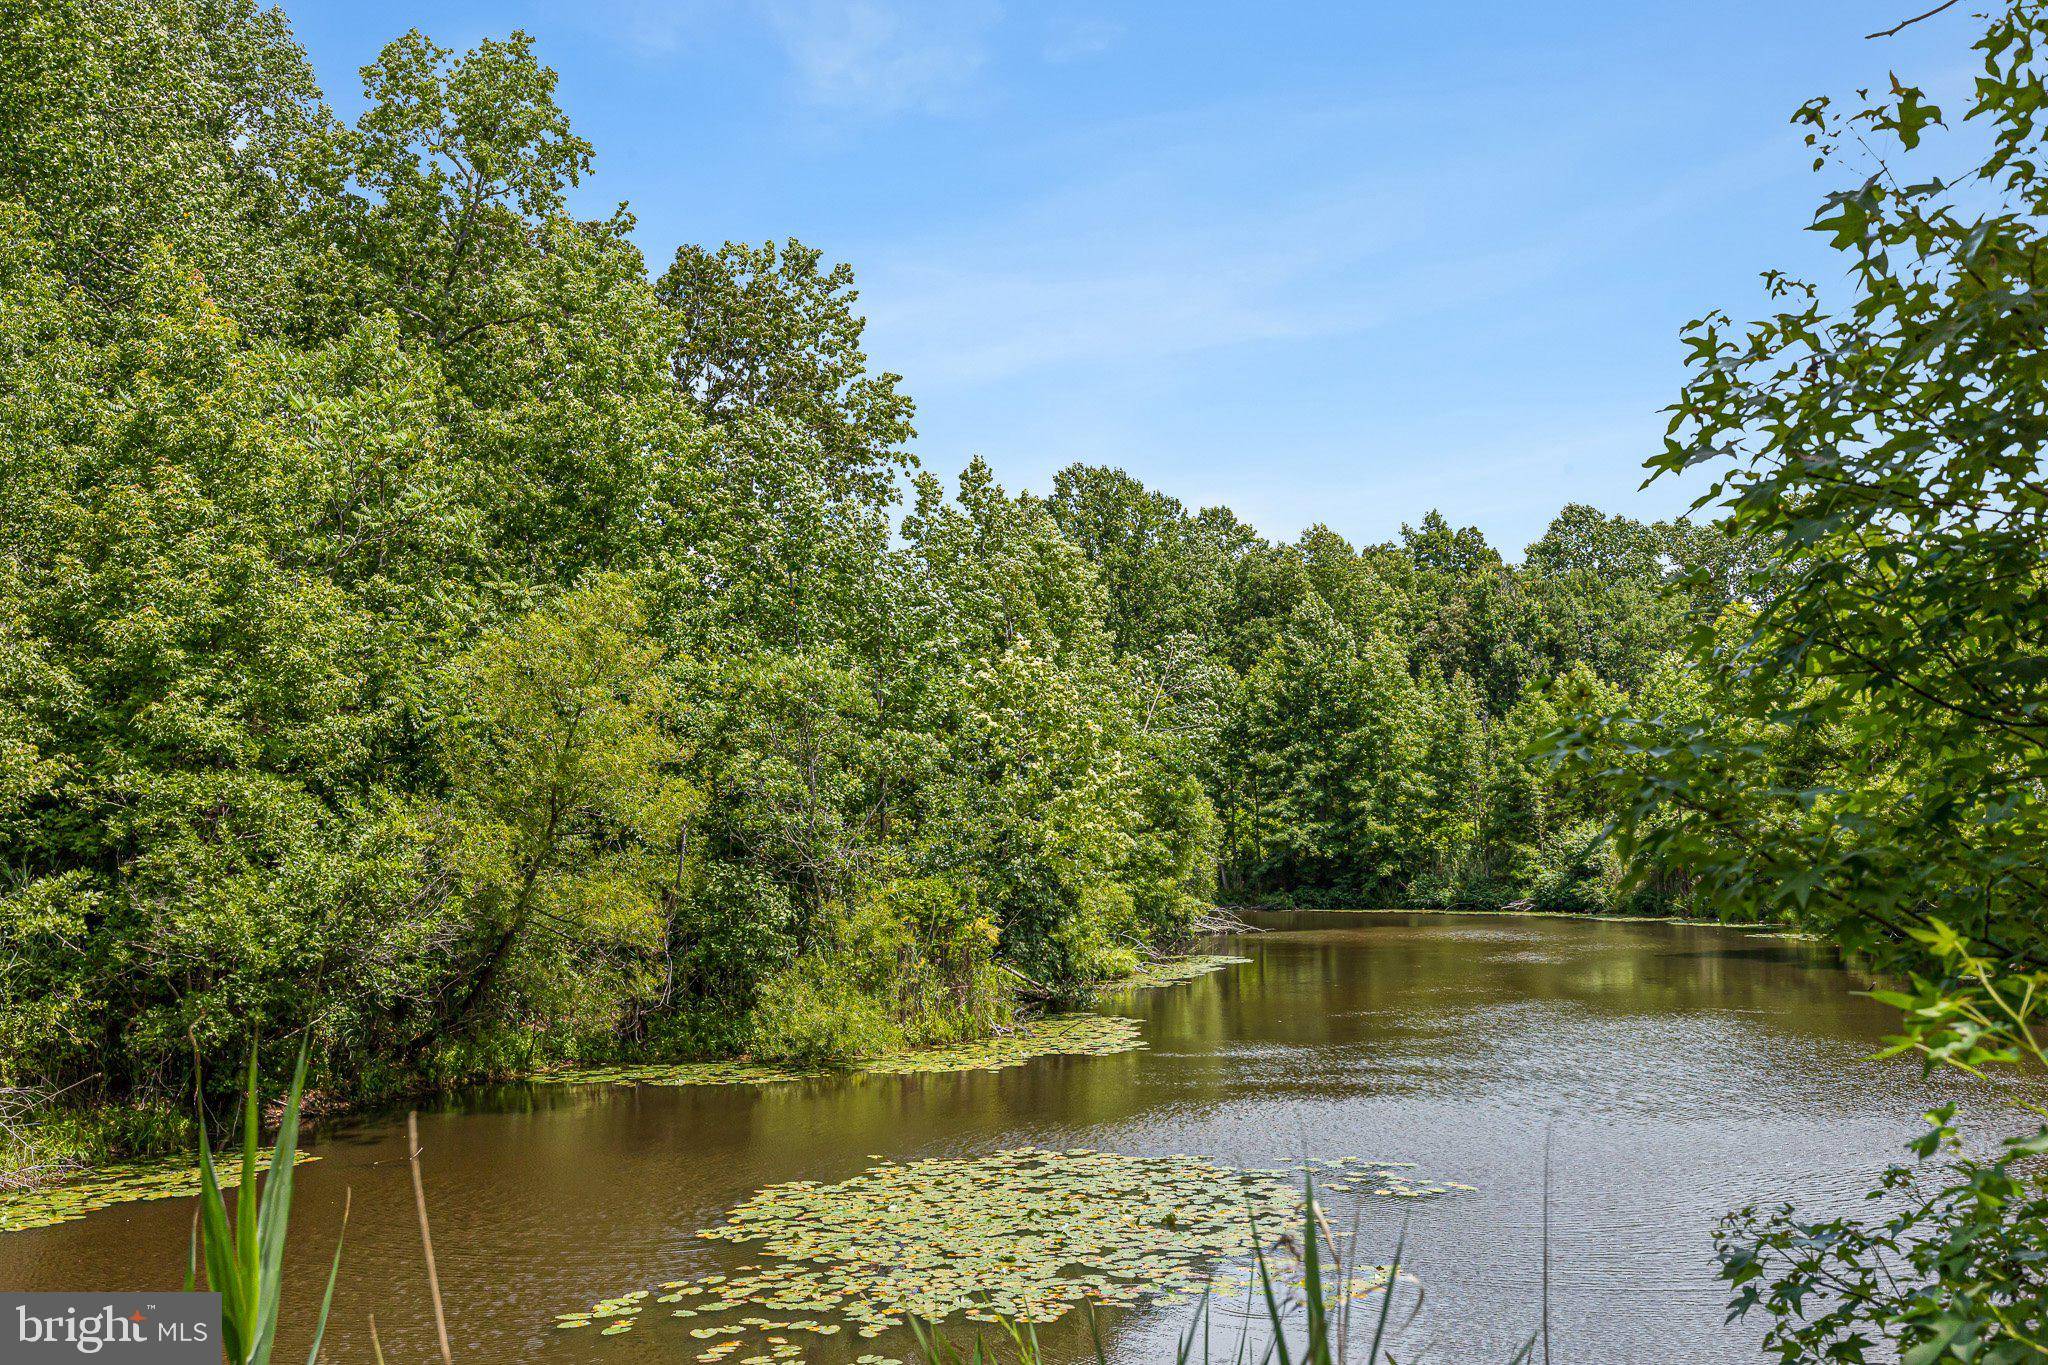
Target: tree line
column 425, row 626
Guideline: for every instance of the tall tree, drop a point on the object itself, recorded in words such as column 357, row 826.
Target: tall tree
column 770, row 331
column 1163, row 572
column 188, row 124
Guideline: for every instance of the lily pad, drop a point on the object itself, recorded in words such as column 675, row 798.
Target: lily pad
column 1175, row 970
column 1024, row 1236
column 114, row 1183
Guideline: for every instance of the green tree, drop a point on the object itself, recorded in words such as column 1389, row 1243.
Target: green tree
column 1163, row 573
column 1599, row 590
column 1333, row 733
column 769, row 332
column 1904, row 616
column 185, row 124
column 421, row 629
column 445, row 210
column 563, row 825
column 205, row 678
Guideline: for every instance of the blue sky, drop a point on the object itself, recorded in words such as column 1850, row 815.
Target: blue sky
column 1323, row 262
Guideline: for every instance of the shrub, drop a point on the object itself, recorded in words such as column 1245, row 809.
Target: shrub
column 1571, row 868
column 731, row 935
column 1951, row 1272
column 923, row 945
column 812, row 1013
column 911, row 962
column 1094, row 940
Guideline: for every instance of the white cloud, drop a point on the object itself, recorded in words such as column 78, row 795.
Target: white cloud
column 646, row 28
column 1139, row 279
column 1200, row 238
column 886, row 56
column 1075, row 39
column 865, row 56
column 1168, row 256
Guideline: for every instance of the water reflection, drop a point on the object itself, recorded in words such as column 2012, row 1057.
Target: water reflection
column 1682, row 1070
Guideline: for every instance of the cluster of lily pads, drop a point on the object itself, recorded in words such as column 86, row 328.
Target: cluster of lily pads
column 1175, row 970
column 1384, row 1179
column 723, row 1338
column 115, row 1183
column 1087, row 1035
column 1021, row 1236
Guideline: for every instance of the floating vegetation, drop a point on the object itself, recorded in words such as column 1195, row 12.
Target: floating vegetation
column 1173, row 971
column 1383, row 1179
column 1021, row 1236
column 1084, row 1035
column 115, row 1183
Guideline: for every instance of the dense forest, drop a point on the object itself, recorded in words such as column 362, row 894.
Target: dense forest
column 427, row 625
column 432, row 633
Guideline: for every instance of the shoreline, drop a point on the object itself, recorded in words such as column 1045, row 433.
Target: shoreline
column 165, row 1175
column 1759, row 929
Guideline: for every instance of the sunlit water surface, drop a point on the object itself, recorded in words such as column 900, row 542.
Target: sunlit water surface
column 1674, row 1071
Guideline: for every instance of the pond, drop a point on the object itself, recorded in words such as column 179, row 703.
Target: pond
column 1674, row 1071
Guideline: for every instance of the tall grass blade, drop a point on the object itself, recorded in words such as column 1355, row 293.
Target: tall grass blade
column 217, row 1240
column 273, row 1216
column 1347, row 1261
column 1273, row 1313
column 1549, row 1130
column 245, row 1197
column 333, row 1273
column 1186, row 1351
column 1379, row 1331
column 244, row 1260
column 1317, row 1349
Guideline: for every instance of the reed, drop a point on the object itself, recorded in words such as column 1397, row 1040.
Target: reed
column 243, row 1254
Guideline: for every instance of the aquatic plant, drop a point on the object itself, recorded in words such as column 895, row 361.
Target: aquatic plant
column 1019, row 1237
column 244, row 1258
column 1077, row 1035
column 114, row 1183
column 1173, row 971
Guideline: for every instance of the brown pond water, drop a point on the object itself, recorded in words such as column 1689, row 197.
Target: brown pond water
column 1678, row 1070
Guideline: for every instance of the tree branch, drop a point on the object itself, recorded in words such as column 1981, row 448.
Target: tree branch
column 1905, row 24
